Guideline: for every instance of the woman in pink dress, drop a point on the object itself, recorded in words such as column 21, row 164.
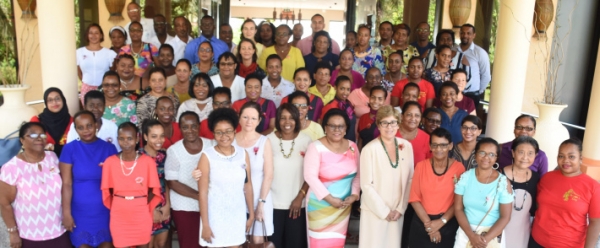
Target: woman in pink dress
column 331, row 171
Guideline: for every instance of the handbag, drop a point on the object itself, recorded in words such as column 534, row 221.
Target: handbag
column 494, row 243
column 265, row 244
column 10, row 147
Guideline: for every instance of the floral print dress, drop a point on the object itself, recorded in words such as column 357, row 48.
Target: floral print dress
column 370, row 58
column 121, row 112
column 161, row 157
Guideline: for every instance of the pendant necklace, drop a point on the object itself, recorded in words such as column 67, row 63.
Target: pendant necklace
column 486, row 182
column 124, row 167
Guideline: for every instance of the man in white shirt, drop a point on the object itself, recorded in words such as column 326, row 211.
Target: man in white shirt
column 181, row 39
column 317, row 23
column 106, row 130
column 275, row 87
column 479, row 61
column 134, row 11
column 160, row 28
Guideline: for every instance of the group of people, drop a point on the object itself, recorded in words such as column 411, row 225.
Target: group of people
column 233, row 143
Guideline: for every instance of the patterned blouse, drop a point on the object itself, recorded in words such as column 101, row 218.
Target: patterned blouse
column 121, row 112
column 144, row 59
column 436, row 78
column 146, row 105
column 409, row 52
column 213, row 70
column 161, row 157
column 371, row 58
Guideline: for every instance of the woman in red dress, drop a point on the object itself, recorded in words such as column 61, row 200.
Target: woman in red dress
column 131, row 190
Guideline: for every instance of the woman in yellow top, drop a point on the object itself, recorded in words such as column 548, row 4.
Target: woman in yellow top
column 401, row 34
column 183, row 70
column 292, row 58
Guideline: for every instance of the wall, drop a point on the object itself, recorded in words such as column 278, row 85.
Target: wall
column 28, row 46
column 254, row 12
column 106, row 25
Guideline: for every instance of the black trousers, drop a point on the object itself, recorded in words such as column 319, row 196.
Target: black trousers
column 475, row 97
column 532, row 243
column 420, row 238
column 408, row 216
column 289, row 233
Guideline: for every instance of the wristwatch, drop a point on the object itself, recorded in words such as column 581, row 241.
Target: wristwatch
column 444, row 220
column 261, row 200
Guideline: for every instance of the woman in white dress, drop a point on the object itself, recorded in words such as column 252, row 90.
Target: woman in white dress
column 259, row 151
column 225, row 185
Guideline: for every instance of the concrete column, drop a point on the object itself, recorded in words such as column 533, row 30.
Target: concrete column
column 591, row 143
column 510, row 67
column 57, row 48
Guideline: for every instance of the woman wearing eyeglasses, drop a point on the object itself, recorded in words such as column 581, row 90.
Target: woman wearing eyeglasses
column 307, row 126
column 144, row 53
column 331, row 169
column 118, row 109
column 84, row 214
column 524, row 126
column 227, row 78
column 206, row 63
column 432, row 195
column 56, row 120
column 30, row 173
column 225, row 187
column 432, row 119
column 386, row 172
column 568, row 202
column 464, row 151
column 483, row 200
column 524, row 182
column 182, row 159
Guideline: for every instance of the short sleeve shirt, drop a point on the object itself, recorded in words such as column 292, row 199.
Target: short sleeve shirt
column 426, row 91
column 37, row 206
column 94, row 64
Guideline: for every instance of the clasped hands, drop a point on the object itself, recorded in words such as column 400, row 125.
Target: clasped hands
column 339, row 203
column 432, row 228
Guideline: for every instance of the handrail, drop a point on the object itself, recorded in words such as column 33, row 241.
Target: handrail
column 536, row 116
column 35, row 102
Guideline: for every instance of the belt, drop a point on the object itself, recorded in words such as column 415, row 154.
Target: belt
column 130, row 197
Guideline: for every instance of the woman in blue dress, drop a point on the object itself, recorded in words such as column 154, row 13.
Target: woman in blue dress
column 84, row 214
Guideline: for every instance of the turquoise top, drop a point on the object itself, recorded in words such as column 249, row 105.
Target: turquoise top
column 477, row 197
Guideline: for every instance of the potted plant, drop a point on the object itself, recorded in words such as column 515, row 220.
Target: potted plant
column 550, row 132
column 13, row 73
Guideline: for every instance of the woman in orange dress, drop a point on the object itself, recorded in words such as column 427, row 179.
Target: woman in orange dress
column 131, row 190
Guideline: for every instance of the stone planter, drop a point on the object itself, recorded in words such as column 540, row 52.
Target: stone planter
column 14, row 111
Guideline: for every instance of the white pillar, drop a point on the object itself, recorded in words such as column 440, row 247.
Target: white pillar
column 591, row 143
column 56, row 25
column 510, row 67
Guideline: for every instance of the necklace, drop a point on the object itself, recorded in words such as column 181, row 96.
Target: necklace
column 445, row 170
column 28, row 160
column 524, row 195
column 124, row 167
column 388, row 155
column 486, row 182
column 41, row 179
column 409, row 135
column 223, row 156
column 304, row 123
column 281, row 146
column 137, row 55
column 126, row 84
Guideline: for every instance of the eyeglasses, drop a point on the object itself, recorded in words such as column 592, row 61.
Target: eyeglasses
column 56, row 99
column 334, row 127
column 202, row 50
column 388, row 124
column 227, row 64
column 471, row 128
column 221, row 104
column 220, row 134
column 36, row 135
column 133, row 10
column 528, row 129
column 436, row 146
column 482, row 154
column 419, row 30
column 110, row 86
column 433, row 121
column 301, row 106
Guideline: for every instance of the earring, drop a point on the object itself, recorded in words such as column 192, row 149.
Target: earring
column 496, row 166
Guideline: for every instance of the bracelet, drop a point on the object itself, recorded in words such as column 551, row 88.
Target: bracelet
column 12, row 229
column 261, row 200
column 303, row 192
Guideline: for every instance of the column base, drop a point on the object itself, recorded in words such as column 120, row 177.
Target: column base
column 591, row 167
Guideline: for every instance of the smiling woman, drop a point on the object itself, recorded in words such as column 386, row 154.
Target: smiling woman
column 118, row 109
